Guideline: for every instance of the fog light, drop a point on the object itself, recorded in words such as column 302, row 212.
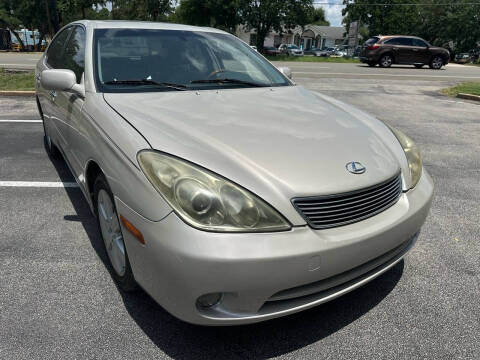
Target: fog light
column 208, row 300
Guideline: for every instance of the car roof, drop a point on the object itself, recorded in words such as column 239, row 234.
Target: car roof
column 386, row 37
column 127, row 24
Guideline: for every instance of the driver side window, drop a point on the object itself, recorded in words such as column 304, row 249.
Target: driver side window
column 57, row 48
column 74, row 57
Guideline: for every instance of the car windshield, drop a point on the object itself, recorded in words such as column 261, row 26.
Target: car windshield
column 292, row 46
column 131, row 60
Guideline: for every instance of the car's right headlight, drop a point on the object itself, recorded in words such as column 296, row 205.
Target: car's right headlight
column 412, row 153
column 206, row 200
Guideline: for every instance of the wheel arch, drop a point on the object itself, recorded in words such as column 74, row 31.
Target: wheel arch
column 388, row 52
column 92, row 170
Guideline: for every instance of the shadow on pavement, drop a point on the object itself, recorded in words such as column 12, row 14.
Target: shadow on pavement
column 264, row 340
column 400, row 67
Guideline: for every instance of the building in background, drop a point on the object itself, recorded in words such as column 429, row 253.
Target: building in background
column 307, row 37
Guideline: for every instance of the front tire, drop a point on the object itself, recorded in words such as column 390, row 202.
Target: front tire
column 436, row 63
column 111, row 233
column 386, row 61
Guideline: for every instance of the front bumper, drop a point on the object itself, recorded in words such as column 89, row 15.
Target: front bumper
column 267, row 275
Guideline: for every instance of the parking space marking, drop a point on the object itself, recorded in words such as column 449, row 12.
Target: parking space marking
column 20, row 121
column 39, row 184
column 388, row 75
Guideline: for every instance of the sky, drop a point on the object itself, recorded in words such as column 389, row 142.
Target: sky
column 332, row 12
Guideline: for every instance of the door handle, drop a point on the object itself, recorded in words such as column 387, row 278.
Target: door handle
column 415, row 49
column 53, row 95
column 395, row 48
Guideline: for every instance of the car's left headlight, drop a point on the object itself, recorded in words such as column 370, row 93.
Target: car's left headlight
column 206, row 200
column 412, row 153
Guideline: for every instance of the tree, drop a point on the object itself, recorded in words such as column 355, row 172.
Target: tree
column 382, row 19
column 8, row 19
column 263, row 16
column 147, row 10
column 318, row 17
column 439, row 23
column 215, row 13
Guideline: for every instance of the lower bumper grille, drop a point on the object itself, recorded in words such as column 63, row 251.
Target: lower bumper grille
column 322, row 212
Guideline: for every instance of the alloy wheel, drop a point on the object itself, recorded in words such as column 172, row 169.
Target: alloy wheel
column 437, row 62
column 111, row 232
column 386, row 61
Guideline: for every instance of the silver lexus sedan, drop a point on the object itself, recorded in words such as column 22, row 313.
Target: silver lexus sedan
column 228, row 193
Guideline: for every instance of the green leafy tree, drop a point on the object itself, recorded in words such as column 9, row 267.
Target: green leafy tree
column 318, row 17
column 263, row 16
column 215, row 13
column 9, row 20
column 383, row 19
column 146, row 10
column 454, row 24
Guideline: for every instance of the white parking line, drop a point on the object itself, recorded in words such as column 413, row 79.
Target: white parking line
column 39, row 184
column 20, row 121
column 388, row 75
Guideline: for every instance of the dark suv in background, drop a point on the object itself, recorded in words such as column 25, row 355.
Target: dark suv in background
column 405, row 50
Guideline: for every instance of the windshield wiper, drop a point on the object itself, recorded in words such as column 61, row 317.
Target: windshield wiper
column 179, row 87
column 228, row 81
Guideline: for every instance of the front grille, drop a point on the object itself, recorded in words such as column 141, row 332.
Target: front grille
column 322, row 212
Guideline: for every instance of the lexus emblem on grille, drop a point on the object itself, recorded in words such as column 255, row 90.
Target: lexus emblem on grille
column 355, row 167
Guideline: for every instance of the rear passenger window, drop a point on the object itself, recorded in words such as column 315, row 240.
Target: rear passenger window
column 74, row 56
column 399, row 41
column 56, row 49
column 405, row 41
column 419, row 43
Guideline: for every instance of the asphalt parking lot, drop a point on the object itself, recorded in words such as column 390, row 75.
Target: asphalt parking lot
column 59, row 301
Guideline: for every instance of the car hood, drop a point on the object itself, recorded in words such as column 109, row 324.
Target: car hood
column 279, row 143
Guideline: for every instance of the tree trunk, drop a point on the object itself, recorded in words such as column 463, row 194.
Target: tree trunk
column 261, row 35
column 18, row 38
column 40, row 40
column 49, row 20
column 55, row 20
column 83, row 13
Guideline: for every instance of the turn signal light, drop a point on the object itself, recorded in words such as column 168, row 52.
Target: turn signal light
column 132, row 229
column 373, row 47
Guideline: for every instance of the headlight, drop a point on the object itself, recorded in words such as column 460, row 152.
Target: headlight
column 413, row 155
column 205, row 200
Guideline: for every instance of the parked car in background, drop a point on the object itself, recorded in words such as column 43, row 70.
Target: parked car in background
column 330, row 50
column 475, row 55
column 405, row 50
column 225, row 191
column 315, row 52
column 290, row 50
column 463, row 58
column 271, row 51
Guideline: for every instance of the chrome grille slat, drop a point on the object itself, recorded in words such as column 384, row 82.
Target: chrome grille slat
column 329, row 211
column 358, row 211
column 357, row 203
column 333, row 200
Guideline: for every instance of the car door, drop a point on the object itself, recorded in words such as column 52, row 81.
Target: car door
column 420, row 51
column 71, row 104
column 48, row 98
column 402, row 49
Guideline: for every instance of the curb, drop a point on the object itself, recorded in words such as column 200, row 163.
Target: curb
column 17, row 93
column 468, row 97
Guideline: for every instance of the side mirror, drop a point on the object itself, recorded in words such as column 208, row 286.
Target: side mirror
column 61, row 80
column 286, row 71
